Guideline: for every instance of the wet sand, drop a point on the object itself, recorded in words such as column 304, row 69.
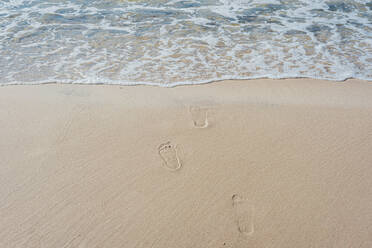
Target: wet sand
column 258, row 163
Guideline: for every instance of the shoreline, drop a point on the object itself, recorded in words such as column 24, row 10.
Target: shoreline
column 177, row 84
column 236, row 164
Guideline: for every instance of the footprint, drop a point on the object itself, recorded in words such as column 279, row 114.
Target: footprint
column 74, row 92
column 244, row 215
column 199, row 116
column 168, row 153
column 68, row 125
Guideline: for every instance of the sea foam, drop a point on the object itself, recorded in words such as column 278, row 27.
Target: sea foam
column 173, row 42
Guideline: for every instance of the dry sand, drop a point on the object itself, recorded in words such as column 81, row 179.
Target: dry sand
column 259, row 163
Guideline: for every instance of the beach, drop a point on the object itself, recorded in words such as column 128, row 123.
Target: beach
column 244, row 163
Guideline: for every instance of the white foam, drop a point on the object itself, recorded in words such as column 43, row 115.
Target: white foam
column 156, row 43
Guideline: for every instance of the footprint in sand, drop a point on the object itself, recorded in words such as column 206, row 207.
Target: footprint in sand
column 67, row 127
column 199, row 116
column 244, row 214
column 168, row 153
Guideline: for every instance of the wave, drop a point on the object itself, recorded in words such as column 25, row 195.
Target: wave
column 174, row 42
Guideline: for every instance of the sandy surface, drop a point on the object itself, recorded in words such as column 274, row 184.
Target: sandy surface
column 260, row 163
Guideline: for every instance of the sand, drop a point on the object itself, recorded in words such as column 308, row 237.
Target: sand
column 258, row 163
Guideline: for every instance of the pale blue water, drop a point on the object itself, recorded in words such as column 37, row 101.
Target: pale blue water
column 169, row 42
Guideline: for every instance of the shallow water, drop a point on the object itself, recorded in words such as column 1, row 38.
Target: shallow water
column 171, row 42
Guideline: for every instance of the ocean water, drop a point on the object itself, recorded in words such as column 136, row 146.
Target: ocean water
column 171, row 42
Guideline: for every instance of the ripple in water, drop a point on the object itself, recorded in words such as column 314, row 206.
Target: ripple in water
column 169, row 42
